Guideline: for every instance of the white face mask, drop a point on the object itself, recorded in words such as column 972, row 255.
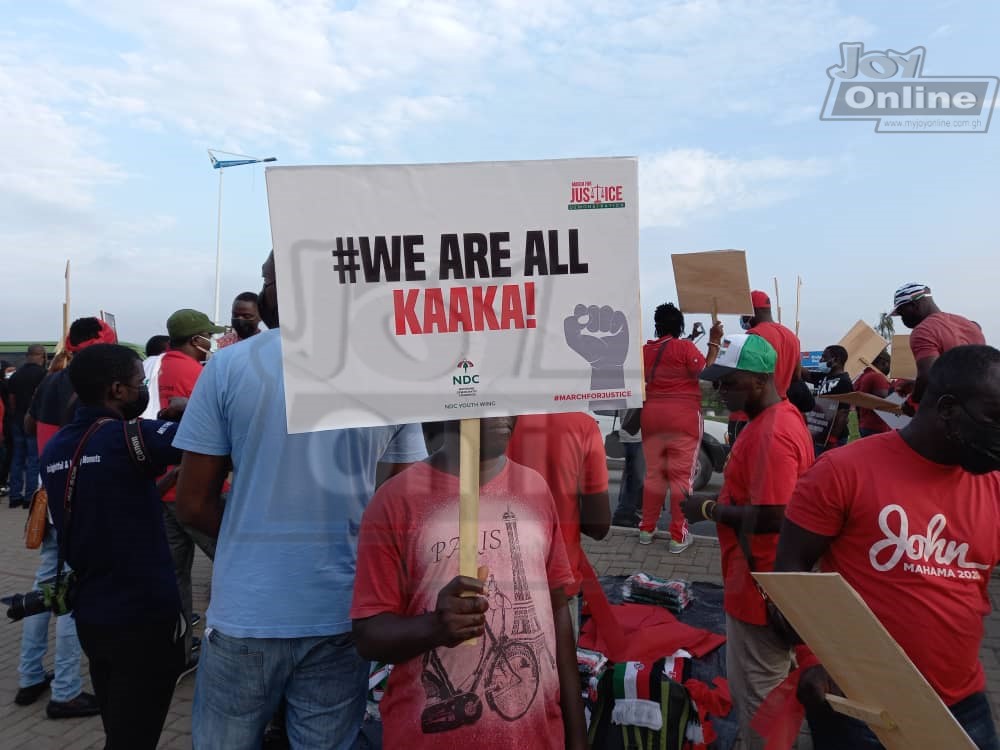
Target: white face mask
column 208, row 352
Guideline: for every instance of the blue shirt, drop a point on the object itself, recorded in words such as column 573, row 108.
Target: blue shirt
column 116, row 542
column 285, row 561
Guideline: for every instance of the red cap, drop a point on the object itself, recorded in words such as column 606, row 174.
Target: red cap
column 760, row 299
column 105, row 336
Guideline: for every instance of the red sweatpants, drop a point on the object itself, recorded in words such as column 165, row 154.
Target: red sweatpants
column 671, row 440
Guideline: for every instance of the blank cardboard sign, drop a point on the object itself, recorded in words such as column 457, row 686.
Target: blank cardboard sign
column 863, row 344
column 865, row 401
column 881, row 684
column 714, row 282
column 903, row 366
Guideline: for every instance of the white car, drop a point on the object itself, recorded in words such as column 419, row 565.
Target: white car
column 711, row 458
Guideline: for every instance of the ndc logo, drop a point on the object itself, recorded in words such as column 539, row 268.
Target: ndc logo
column 465, row 379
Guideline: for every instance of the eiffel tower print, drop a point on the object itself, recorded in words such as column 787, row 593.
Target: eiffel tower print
column 525, row 627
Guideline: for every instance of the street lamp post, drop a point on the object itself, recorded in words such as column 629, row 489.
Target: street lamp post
column 221, row 165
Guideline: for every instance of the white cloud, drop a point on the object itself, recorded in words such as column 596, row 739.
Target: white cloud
column 49, row 159
column 679, row 185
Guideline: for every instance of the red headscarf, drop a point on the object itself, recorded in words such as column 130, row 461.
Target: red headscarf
column 107, row 335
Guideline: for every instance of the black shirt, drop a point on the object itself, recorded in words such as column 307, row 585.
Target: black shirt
column 820, row 419
column 22, row 385
column 55, row 400
column 116, row 541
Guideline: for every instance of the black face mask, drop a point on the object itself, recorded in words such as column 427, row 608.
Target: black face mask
column 244, row 328
column 134, row 409
column 979, row 445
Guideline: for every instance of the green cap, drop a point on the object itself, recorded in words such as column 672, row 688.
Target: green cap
column 186, row 323
column 746, row 352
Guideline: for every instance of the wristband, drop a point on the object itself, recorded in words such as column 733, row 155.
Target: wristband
column 707, row 515
column 712, row 343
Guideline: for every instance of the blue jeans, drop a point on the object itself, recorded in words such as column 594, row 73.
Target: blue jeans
column 35, row 638
column 241, row 681
column 833, row 731
column 23, row 465
column 633, row 475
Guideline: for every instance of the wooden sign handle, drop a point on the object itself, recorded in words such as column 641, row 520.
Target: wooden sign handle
column 715, row 310
column 873, row 717
column 468, row 502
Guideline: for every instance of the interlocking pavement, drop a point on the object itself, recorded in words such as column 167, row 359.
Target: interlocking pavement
column 29, row 728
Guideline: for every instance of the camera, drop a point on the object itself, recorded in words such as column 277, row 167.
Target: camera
column 48, row 598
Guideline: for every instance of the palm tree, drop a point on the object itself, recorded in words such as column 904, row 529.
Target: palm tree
column 885, row 326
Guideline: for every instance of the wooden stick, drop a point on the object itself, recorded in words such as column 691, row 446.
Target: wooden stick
column 66, row 305
column 873, row 717
column 468, row 502
column 715, row 310
column 798, row 302
column 777, row 298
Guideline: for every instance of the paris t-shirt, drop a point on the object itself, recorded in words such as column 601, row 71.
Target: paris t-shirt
column 504, row 690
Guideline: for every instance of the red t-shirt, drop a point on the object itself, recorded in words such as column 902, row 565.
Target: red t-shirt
column 178, row 374
column 675, row 374
column 568, row 451
column 774, row 450
column 503, row 691
column 942, row 331
column 874, row 382
column 917, row 540
column 789, row 350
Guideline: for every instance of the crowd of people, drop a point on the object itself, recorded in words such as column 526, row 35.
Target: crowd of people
column 337, row 548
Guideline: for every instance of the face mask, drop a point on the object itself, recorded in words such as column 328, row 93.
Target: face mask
column 979, row 446
column 206, row 352
column 244, row 328
column 134, row 409
column 823, row 367
column 746, row 323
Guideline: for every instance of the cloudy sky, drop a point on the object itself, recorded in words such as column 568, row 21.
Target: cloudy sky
column 109, row 107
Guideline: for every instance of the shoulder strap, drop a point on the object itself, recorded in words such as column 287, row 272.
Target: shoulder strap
column 74, row 467
column 136, row 444
column 656, row 362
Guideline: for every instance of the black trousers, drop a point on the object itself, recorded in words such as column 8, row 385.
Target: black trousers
column 134, row 670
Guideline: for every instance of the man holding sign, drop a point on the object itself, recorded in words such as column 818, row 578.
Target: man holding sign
column 911, row 520
column 934, row 332
column 518, row 685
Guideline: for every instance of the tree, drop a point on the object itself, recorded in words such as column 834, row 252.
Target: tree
column 886, row 326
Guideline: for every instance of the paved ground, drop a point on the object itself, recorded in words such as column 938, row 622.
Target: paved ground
column 29, row 728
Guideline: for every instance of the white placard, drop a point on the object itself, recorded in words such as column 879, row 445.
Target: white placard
column 445, row 291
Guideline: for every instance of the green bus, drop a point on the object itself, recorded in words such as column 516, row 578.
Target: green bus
column 14, row 352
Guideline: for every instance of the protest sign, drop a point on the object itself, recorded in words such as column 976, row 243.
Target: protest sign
column 456, row 291
column 882, row 686
column 865, row 401
column 903, row 366
column 863, row 344
column 110, row 320
column 714, row 282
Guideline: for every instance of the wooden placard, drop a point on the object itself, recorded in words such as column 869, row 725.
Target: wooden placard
column 468, row 501
column 904, row 366
column 714, row 282
column 881, row 684
column 865, row 401
column 863, row 344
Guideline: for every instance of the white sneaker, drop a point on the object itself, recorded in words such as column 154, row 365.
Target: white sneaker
column 677, row 547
